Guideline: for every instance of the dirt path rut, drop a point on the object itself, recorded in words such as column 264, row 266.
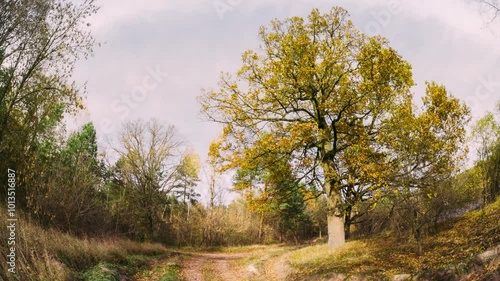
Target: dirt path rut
column 220, row 266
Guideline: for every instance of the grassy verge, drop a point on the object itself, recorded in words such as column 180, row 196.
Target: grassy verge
column 44, row 254
column 163, row 267
column 230, row 249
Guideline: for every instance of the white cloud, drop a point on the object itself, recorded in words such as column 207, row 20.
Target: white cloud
column 114, row 12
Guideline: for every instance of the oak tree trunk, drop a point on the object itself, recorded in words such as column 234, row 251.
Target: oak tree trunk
column 335, row 230
column 335, row 218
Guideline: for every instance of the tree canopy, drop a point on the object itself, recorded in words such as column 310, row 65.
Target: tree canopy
column 326, row 95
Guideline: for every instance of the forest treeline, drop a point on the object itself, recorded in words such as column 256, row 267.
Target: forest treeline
column 320, row 123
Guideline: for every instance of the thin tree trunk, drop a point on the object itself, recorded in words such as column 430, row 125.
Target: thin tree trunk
column 347, row 223
column 261, row 224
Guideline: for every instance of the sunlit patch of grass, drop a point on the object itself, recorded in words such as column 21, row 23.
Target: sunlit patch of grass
column 354, row 257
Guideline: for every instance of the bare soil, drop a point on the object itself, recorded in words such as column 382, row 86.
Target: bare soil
column 215, row 266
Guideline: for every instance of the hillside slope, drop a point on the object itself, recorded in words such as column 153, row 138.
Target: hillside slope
column 467, row 250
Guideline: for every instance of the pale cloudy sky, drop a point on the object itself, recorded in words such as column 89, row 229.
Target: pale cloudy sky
column 194, row 40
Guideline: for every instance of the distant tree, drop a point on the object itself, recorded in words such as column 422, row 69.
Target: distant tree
column 316, row 211
column 493, row 174
column 486, row 133
column 213, row 173
column 186, row 178
column 81, row 200
column 494, row 162
column 213, row 224
column 148, row 164
column 68, row 193
column 275, row 194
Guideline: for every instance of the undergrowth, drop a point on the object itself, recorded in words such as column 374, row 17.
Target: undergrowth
column 45, row 254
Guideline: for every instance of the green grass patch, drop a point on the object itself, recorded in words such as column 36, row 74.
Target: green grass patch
column 165, row 269
column 103, row 271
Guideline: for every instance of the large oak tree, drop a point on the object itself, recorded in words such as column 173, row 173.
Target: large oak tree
column 322, row 93
column 314, row 89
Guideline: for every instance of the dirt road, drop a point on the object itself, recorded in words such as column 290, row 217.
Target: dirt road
column 216, row 266
column 255, row 263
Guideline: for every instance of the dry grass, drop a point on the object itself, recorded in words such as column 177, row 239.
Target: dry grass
column 44, row 254
column 355, row 257
column 231, row 249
